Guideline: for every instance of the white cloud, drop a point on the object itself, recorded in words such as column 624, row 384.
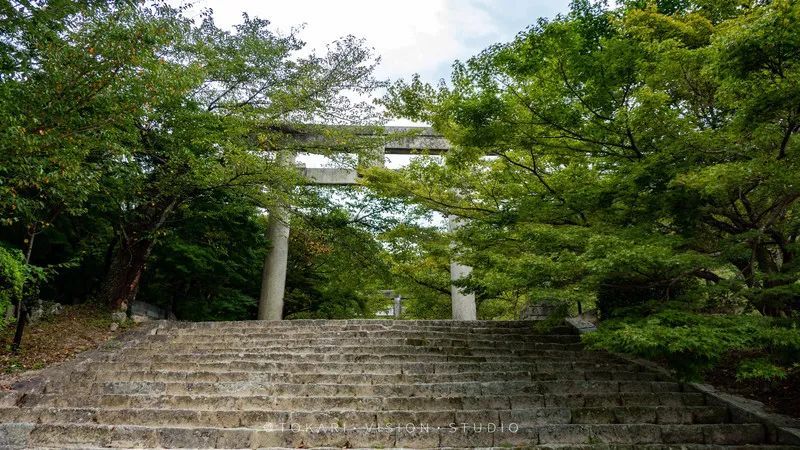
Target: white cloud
column 411, row 36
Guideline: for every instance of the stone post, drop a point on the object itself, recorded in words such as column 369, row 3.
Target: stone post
column 463, row 304
column 273, row 277
column 398, row 305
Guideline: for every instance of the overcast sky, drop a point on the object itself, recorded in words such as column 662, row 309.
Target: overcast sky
column 411, row 36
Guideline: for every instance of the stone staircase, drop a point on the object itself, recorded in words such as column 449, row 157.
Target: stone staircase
column 367, row 384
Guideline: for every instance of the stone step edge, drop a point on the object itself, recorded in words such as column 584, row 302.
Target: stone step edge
column 516, row 372
column 377, row 357
column 666, row 385
column 412, row 367
column 21, row 431
column 169, row 331
column 389, row 322
column 331, row 324
column 342, row 420
column 398, row 367
column 781, row 429
column 361, row 350
column 382, row 337
column 541, row 446
column 484, row 333
column 375, row 343
column 40, row 408
column 380, row 399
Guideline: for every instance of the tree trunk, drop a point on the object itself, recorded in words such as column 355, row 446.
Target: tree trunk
column 23, row 316
column 770, row 265
column 108, row 258
column 121, row 283
column 20, row 309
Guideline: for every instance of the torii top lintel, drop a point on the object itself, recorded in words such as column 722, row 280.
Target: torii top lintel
column 423, row 139
column 416, row 140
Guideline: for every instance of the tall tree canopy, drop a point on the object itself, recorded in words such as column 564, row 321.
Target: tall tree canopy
column 643, row 154
column 133, row 114
column 627, row 149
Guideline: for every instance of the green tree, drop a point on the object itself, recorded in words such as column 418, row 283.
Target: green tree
column 418, row 257
column 642, row 152
column 146, row 111
column 240, row 96
column 65, row 78
column 207, row 264
column 338, row 263
column 12, row 280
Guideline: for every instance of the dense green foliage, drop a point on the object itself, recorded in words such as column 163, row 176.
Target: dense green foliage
column 209, row 266
column 641, row 159
column 348, row 245
column 692, row 342
column 419, row 262
column 137, row 148
column 12, row 279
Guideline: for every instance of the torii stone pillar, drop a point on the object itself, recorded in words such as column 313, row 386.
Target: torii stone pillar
column 273, row 278
column 463, row 304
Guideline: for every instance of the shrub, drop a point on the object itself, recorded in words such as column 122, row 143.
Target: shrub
column 12, row 279
column 691, row 343
column 760, row 369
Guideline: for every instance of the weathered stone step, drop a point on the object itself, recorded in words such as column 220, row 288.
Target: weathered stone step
column 381, row 333
column 361, row 349
column 476, row 388
column 360, row 352
column 376, row 341
column 334, row 403
column 274, row 419
column 28, row 435
column 235, row 385
column 373, row 345
column 432, row 333
column 412, row 337
column 202, row 365
column 485, row 327
column 323, row 376
column 553, row 446
column 254, row 355
column 324, row 324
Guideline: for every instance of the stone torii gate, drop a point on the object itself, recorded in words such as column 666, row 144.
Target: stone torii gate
column 273, row 288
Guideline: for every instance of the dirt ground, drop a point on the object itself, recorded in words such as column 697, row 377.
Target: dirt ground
column 55, row 339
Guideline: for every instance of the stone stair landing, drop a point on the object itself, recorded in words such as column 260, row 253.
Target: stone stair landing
column 363, row 384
